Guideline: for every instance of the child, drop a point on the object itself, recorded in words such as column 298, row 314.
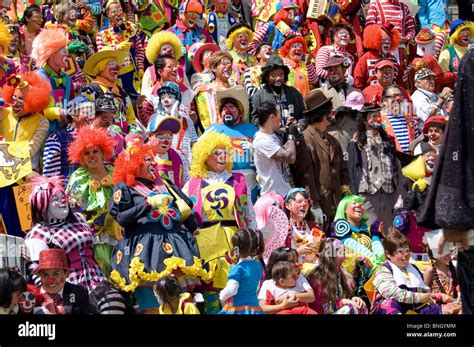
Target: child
column 12, row 284
column 441, row 277
column 288, row 292
column 245, row 276
column 332, row 285
column 399, row 285
column 172, row 300
column 281, row 254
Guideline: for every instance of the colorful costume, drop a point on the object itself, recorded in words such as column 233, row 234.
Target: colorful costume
column 8, row 66
column 241, row 58
column 154, row 15
column 218, row 24
column 450, row 58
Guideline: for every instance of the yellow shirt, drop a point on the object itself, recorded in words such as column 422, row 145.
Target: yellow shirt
column 184, row 307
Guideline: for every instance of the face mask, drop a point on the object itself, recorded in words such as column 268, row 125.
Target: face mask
column 228, row 119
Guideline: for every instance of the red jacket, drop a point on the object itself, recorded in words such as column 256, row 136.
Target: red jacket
column 364, row 72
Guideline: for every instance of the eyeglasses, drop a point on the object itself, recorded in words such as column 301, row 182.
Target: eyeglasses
column 394, row 96
column 219, row 152
column 164, row 137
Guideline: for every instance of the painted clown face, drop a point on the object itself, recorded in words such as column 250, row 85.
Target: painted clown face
column 401, row 257
column 167, row 49
column 342, row 38
column 58, row 60
column 164, row 139
column 464, row 37
column 148, row 168
column 335, row 74
column 223, row 70
column 190, row 19
column 115, row 14
column 111, row 71
column 92, row 158
column 168, row 100
column 217, row 160
column 58, row 207
column 70, row 17
column 386, row 43
column 53, row 280
column 296, row 52
column 298, row 207
column 222, row 6
column 385, row 76
column 265, row 53
column 374, row 120
column 430, row 160
column 241, row 42
column 18, row 103
column 26, row 301
column 230, row 114
column 435, row 135
column 355, row 212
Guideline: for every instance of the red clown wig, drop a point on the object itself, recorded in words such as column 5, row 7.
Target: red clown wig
column 373, row 36
column 35, row 89
column 88, row 138
column 288, row 43
column 128, row 163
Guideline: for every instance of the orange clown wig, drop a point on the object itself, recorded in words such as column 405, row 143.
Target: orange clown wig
column 88, row 138
column 35, row 90
column 128, row 163
column 373, row 36
column 288, row 43
column 48, row 42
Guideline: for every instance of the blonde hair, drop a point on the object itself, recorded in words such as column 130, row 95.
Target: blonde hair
column 229, row 42
column 202, row 150
column 5, row 38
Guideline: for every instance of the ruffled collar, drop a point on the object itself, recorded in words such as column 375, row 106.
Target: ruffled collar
column 218, row 177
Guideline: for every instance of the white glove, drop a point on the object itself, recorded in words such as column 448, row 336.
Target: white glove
column 247, row 145
column 350, row 80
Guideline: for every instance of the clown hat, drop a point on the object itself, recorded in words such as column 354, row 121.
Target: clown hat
column 197, row 50
column 456, row 27
column 191, row 6
column 286, row 4
column 104, row 53
column 237, row 26
column 434, row 120
column 160, row 122
column 425, row 36
column 53, row 258
column 171, row 88
column 237, row 93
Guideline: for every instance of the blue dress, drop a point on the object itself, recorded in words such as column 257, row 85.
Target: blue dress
column 248, row 273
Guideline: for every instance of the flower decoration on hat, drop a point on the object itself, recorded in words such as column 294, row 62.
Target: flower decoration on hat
column 16, row 81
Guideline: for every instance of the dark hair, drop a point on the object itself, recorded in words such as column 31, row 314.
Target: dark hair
column 267, row 70
column 361, row 117
column 439, row 125
column 282, row 269
column 436, row 278
column 292, row 196
column 160, row 63
column 317, row 115
column 279, row 254
column 10, row 281
column 339, row 26
column 264, row 110
column 393, row 240
column 167, row 289
column 29, row 11
column 386, row 89
column 250, row 242
column 260, row 46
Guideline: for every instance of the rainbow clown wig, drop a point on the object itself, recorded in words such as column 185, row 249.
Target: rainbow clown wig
column 5, row 38
column 202, row 150
column 44, row 188
column 289, row 42
column 229, row 42
column 373, row 36
column 35, row 89
column 88, row 138
column 128, row 163
column 157, row 41
column 48, row 42
column 345, row 201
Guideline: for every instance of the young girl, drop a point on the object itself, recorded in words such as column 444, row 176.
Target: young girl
column 399, row 286
column 441, row 277
column 280, row 254
column 240, row 293
column 172, row 300
column 12, row 284
column 332, row 285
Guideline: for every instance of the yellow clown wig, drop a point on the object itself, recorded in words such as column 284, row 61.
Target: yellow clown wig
column 466, row 25
column 229, row 42
column 5, row 38
column 48, row 42
column 202, row 150
column 157, row 41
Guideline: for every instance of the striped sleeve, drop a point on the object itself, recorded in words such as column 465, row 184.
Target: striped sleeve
column 387, row 287
column 322, row 58
column 140, row 51
column 400, row 127
column 311, row 71
column 371, row 17
column 52, row 156
column 260, row 34
column 409, row 23
column 358, row 248
column 249, row 87
column 39, row 137
column 98, row 41
column 96, row 9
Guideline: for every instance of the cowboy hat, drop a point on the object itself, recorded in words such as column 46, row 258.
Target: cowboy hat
column 237, row 93
column 104, row 53
column 314, row 100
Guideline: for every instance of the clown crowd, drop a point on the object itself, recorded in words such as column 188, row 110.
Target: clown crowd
column 227, row 156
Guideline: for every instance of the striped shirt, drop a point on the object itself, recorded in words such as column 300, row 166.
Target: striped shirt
column 394, row 12
column 323, row 55
column 400, row 127
column 53, row 150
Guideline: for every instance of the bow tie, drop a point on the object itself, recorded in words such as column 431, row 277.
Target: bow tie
column 54, row 303
column 119, row 29
column 59, row 81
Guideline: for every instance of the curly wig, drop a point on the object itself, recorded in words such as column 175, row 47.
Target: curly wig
column 44, row 188
column 203, row 150
column 128, row 163
column 262, row 207
column 88, row 138
column 345, row 201
column 373, row 37
column 464, row 26
column 36, row 94
column 157, row 40
column 5, row 37
column 48, row 42
column 288, row 43
column 229, row 42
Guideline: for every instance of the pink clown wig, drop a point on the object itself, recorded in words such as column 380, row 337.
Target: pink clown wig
column 262, row 207
column 48, row 42
column 44, row 188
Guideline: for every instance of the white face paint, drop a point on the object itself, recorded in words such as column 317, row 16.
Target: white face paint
column 58, row 207
column 342, row 38
column 168, row 100
column 386, row 43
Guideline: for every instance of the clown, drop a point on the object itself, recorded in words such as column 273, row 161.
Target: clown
column 238, row 43
column 170, row 162
column 433, row 129
column 162, row 43
column 221, row 206
column 51, row 55
column 124, row 36
column 188, row 29
column 199, row 55
column 302, row 74
column 379, row 41
column 460, row 35
column 7, row 66
column 170, row 105
column 233, row 107
column 219, row 22
column 91, row 188
column 253, row 75
column 158, row 226
column 153, row 16
column 104, row 68
column 280, row 27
